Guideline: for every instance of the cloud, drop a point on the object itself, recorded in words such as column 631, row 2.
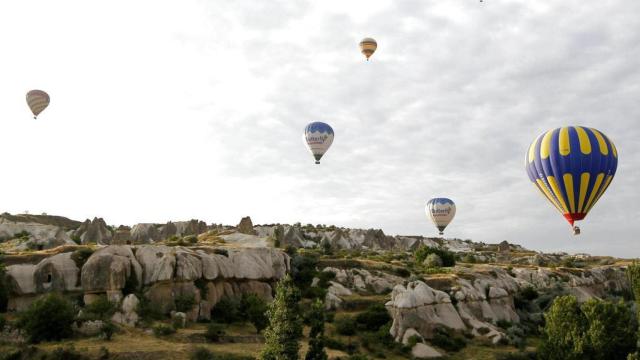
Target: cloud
column 203, row 111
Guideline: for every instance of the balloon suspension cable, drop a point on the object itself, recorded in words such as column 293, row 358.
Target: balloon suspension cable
column 576, row 230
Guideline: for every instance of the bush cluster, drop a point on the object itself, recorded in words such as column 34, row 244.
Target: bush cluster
column 448, row 340
column 596, row 329
column 214, row 332
column 163, row 330
column 448, row 258
column 49, row 318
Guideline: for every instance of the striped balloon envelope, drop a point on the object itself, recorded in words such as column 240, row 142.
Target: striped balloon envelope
column 318, row 136
column 572, row 167
column 441, row 211
column 367, row 47
column 37, row 100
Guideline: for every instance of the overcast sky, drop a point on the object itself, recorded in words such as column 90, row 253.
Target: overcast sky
column 172, row 110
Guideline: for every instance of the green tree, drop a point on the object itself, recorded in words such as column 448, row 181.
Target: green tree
column 316, row 334
column 285, row 323
column 48, row 318
column 255, row 310
column 563, row 331
column 611, row 329
column 4, row 291
column 597, row 330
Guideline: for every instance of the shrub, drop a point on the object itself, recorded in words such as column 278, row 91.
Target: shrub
column 49, row 318
column 448, row 340
column 3, row 322
column 226, row 311
column 66, row 353
column 76, row 239
column 81, row 256
column 107, row 330
column 163, row 330
column 99, row 309
column 448, row 258
column 346, row 326
column 324, row 277
column 303, row 270
column 334, row 344
column 373, row 318
column 517, row 356
column 201, row 353
column 147, row 310
column 330, row 316
column 402, row 272
column 432, row 261
column 103, row 353
column 214, row 332
column 469, row 258
column 254, row 309
column 184, row 302
column 24, row 234
column 633, row 274
column 4, row 288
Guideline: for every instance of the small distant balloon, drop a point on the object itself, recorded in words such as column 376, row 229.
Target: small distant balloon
column 318, row 136
column 441, row 211
column 572, row 167
column 368, row 46
column 37, row 100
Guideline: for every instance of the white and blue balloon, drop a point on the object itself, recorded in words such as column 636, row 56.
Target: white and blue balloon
column 441, row 211
column 318, row 136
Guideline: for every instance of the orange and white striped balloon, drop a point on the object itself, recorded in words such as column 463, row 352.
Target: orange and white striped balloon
column 37, row 100
column 368, row 46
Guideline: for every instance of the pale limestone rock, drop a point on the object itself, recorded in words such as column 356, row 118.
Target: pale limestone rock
column 338, row 290
column 56, row 273
column 423, row 351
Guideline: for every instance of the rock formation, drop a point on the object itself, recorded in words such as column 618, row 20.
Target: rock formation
column 246, row 226
column 94, row 231
column 162, row 272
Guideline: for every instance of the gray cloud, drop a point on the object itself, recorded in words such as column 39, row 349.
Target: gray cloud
column 447, row 107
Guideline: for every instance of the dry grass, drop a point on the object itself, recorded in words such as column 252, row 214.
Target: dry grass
column 138, row 342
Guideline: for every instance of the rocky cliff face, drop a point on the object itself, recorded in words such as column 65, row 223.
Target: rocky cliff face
column 32, row 235
column 161, row 272
column 476, row 301
column 472, row 300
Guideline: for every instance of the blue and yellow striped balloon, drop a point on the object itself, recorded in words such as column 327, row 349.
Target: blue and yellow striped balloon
column 572, row 167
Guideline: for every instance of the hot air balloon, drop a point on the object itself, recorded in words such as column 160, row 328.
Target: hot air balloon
column 572, row 167
column 37, row 100
column 441, row 211
column 318, row 136
column 368, row 46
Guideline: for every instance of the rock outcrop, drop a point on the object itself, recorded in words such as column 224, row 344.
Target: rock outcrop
column 145, row 234
column 94, row 231
column 162, row 272
column 485, row 296
column 246, row 226
column 33, row 236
